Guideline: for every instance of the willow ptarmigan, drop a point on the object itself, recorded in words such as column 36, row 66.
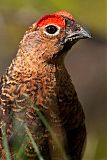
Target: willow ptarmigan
column 40, row 114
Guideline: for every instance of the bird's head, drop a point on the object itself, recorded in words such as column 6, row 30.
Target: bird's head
column 53, row 35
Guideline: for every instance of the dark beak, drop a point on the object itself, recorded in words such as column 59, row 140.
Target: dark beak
column 79, row 34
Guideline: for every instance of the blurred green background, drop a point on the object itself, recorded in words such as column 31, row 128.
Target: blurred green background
column 86, row 62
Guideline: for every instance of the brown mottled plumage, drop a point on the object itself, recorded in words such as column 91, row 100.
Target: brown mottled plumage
column 37, row 83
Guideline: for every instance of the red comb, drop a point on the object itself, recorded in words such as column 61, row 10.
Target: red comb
column 51, row 19
column 65, row 14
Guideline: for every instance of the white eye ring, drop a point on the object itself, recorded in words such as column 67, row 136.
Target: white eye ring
column 53, row 29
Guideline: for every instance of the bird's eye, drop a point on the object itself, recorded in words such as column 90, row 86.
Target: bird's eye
column 52, row 30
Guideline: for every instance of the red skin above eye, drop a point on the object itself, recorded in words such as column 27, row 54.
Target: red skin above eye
column 51, row 19
column 65, row 14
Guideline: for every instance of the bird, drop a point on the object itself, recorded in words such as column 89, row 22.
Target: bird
column 40, row 112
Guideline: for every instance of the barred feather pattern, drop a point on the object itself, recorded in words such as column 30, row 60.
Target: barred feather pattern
column 37, row 80
column 46, row 92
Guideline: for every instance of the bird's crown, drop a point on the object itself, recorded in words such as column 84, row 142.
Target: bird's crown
column 56, row 18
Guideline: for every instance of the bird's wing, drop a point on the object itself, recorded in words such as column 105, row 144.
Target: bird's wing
column 22, row 120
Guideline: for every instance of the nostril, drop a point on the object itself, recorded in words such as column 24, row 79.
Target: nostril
column 76, row 27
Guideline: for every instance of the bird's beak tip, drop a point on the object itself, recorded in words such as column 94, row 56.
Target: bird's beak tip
column 85, row 33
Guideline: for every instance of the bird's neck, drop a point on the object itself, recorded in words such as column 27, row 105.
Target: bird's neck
column 27, row 67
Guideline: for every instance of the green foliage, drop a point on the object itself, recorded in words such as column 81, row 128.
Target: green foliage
column 101, row 150
column 34, row 143
column 5, row 142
